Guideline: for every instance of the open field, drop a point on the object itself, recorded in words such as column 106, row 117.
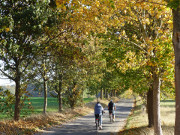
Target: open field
column 37, row 104
column 137, row 122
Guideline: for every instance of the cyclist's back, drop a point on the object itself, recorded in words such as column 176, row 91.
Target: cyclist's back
column 111, row 105
column 98, row 110
column 112, row 108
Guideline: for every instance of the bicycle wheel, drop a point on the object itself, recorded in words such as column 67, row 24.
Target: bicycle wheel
column 113, row 118
column 110, row 116
column 97, row 124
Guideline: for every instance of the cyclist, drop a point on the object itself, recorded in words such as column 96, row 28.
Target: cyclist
column 112, row 108
column 98, row 112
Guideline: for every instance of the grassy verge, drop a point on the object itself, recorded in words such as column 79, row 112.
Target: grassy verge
column 38, row 122
column 138, row 121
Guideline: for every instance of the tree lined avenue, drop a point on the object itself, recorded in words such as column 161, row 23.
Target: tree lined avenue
column 69, row 49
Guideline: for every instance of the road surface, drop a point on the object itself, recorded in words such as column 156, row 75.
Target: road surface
column 86, row 124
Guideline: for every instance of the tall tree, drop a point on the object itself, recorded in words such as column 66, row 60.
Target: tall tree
column 151, row 37
column 43, row 66
column 22, row 24
column 176, row 43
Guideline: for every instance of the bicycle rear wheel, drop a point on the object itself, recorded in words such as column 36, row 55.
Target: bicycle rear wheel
column 97, row 124
column 110, row 116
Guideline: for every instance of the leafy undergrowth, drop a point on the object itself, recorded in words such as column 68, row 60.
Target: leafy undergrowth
column 36, row 123
column 137, row 123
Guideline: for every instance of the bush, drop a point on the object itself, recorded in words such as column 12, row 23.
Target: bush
column 7, row 101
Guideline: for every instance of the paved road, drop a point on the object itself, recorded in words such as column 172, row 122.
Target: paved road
column 86, row 126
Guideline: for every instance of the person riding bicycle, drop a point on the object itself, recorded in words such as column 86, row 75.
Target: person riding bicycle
column 98, row 112
column 112, row 108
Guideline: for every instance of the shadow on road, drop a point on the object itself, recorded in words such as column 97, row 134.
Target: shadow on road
column 86, row 124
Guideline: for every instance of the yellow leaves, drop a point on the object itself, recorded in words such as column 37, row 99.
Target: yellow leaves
column 123, row 33
column 130, row 62
column 4, row 28
column 150, row 63
column 7, row 29
column 97, row 3
column 170, row 22
column 134, row 37
column 105, row 17
column 147, row 21
column 150, row 49
column 71, row 19
column 64, row 8
column 61, row 4
column 81, row 10
column 160, row 31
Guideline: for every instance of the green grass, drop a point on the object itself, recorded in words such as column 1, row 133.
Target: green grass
column 87, row 100
column 2, row 116
column 38, row 103
column 137, row 122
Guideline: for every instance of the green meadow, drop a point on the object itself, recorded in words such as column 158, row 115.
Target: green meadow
column 37, row 104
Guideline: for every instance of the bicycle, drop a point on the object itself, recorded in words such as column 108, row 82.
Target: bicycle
column 111, row 116
column 97, row 121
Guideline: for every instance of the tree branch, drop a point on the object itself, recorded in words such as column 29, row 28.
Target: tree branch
column 41, row 49
column 10, row 77
column 152, row 2
column 136, row 45
column 144, row 31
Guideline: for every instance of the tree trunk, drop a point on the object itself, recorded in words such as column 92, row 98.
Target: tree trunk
column 97, row 96
column 108, row 95
column 150, row 107
column 45, row 96
column 59, row 93
column 101, row 93
column 156, row 105
column 114, row 93
column 176, row 43
column 104, row 93
column 18, row 97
